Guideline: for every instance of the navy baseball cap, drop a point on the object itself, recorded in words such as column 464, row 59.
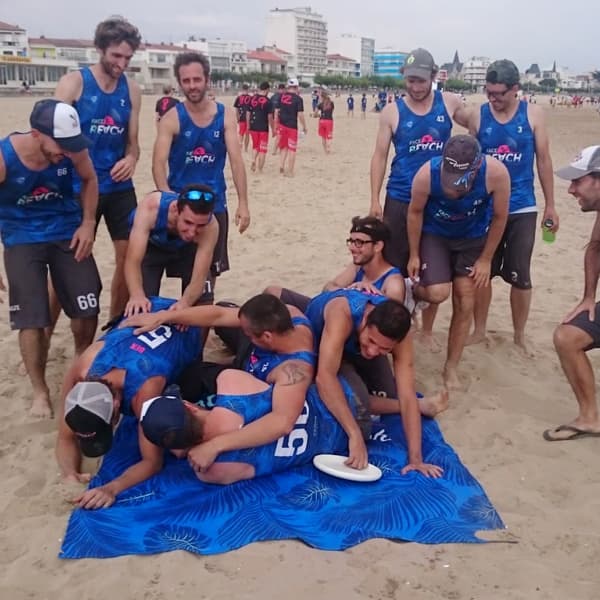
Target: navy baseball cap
column 60, row 121
column 461, row 160
column 163, row 420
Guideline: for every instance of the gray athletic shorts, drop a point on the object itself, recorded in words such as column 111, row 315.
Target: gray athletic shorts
column 115, row 207
column 175, row 263
column 443, row 259
column 592, row 328
column 512, row 260
column 396, row 250
column 77, row 284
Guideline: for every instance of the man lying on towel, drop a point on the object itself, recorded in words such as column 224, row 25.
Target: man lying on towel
column 177, row 425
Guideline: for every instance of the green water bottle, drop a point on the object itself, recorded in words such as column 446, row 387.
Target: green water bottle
column 547, row 234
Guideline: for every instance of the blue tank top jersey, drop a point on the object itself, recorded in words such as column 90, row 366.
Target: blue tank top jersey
column 164, row 351
column 357, row 302
column 36, row 206
column 513, row 144
column 466, row 217
column 198, row 155
column 261, row 362
column 378, row 283
column 316, row 431
column 159, row 235
column 416, row 140
column 105, row 121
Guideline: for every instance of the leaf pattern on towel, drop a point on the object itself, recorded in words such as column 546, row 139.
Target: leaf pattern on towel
column 173, row 510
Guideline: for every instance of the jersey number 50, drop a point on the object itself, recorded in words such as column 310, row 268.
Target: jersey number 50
column 297, row 440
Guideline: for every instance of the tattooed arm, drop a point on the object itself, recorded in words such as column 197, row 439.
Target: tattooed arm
column 290, row 382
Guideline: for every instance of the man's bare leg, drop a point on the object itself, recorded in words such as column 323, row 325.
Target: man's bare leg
column 483, row 299
column 520, row 302
column 463, row 299
column 261, row 161
column 429, row 406
column 83, row 331
column 426, row 334
column 118, row 288
column 283, row 152
column 34, row 351
column 291, row 162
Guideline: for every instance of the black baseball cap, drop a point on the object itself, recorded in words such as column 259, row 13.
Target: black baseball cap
column 461, row 160
column 503, row 71
column 60, row 121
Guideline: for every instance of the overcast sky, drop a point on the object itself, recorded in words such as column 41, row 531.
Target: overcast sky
column 525, row 31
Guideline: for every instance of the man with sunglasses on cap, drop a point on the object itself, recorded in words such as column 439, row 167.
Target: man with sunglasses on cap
column 45, row 228
column 114, row 376
column 290, row 110
column 192, row 145
column 580, row 328
column 418, row 125
column 456, row 218
column 514, row 132
column 176, row 234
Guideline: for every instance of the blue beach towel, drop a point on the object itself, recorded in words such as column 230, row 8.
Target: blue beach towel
column 175, row 511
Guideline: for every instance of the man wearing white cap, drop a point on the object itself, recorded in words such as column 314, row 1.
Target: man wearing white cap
column 44, row 228
column 289, row 111
column 580, row 329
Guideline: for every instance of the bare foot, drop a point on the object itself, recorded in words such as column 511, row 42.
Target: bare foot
column 451, row 380
column 477, row 337
column 288, row 174
column 522, row 344
column 41, row 407
column 281, row 170
column 433, row 405
column 427, row 340
column 22, row 369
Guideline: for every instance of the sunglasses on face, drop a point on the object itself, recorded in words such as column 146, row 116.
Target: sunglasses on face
column 198, row 195
column 358, row 243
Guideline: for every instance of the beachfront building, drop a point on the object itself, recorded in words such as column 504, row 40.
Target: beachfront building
column 474, row 71
column 223, row 55
column 341, row 66
column 388, row 62
column 453, row 69
column 267, row 62
column 361, row 49
column 303, row 34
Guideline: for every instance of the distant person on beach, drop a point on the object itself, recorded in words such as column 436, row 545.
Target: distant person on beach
column 44, row 228
column 108, row 103
column 260, row 121
column 165, row 103
column 579, row 331
column 242, row 105
column 325, row 111
column 192, row 145
column 290, row 111
column 515, row 133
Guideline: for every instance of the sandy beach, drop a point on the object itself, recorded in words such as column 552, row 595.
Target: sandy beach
column 544, row 492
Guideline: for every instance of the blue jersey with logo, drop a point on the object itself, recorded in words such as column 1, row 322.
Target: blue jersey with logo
column 316, row 431
column 357, row 301
column 261, row 362
column 513, row 144
column 105, row 121
column 380, row 281
column 466, row 217
column 416, row 140
column 159, row 235
column 36, row 206
column 164, row 352
column 198, row 155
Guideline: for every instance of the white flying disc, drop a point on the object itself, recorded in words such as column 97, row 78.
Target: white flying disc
column 332, row 464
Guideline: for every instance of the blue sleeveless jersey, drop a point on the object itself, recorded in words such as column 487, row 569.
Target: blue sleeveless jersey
column 378, row 283
column 198, row 155
column 159, row 235
column 416, row 140
column 105, row 121
column 164, row 352
column 261, row 362
column 513, row 144
column 357, row 301
column 316, row 431
column 466, row 217
column 36, row 206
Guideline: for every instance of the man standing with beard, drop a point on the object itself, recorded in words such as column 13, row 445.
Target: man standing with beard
column 108, row 104
column 194, row 140
column 44, row 228
column 418, row 125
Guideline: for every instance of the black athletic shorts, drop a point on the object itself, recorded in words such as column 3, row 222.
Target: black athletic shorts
column 396, row 250
column 220, row 261
column 592, row 328
column 115, row 207
column 77, row 284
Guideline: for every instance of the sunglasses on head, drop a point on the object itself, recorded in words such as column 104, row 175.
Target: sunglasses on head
column 198, row 195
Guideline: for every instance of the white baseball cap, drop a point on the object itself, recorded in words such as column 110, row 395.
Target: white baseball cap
column 292, row 82
column 586, row 162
